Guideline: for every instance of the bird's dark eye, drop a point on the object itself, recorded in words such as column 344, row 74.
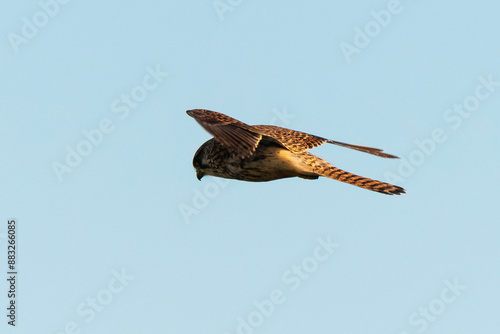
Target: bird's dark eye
column 200, row 157
column 197, row 161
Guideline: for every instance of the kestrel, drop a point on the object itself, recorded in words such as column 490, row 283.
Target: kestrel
column 265, row 152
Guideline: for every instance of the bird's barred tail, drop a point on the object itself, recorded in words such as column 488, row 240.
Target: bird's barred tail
column 363, row 182
column 324, row 168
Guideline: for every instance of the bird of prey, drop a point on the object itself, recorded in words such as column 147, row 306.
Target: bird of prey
column 265, row 152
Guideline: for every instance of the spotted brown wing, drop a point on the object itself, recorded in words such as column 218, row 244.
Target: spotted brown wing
column 297, row 141
column 227, row 130
column 245, row 138
column 294, row 141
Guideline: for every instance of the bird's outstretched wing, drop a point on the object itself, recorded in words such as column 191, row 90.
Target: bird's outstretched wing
column 245, row 138
column 297, row 141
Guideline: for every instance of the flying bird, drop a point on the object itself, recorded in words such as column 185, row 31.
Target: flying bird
column 260, row 153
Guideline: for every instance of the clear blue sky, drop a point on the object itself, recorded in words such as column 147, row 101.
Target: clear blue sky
column 116, row 234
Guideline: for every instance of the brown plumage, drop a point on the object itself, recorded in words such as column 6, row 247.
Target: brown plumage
column 266, row 152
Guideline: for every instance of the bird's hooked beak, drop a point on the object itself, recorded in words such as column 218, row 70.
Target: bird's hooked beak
column 199, row 174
